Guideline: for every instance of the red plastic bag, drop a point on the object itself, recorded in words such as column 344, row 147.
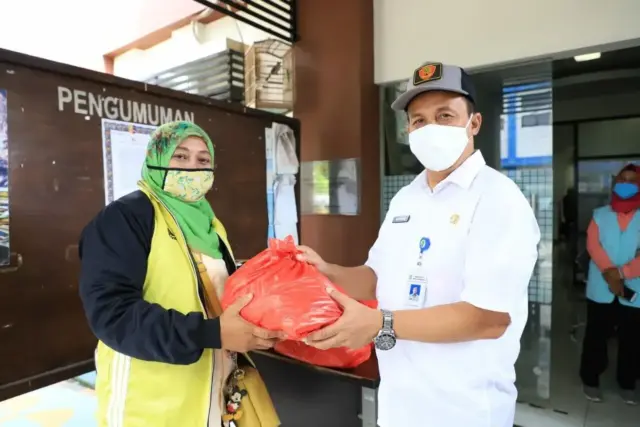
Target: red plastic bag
column 341, row 357
column 290, row 296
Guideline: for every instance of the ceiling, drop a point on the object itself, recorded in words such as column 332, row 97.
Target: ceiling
column 613, row 73
column 613, row 60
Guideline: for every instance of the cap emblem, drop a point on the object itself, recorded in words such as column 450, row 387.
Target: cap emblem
column 427, row 73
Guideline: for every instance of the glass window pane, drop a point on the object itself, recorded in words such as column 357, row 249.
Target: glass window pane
column 519, row 101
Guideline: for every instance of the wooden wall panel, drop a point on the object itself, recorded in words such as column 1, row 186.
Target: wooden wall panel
column 57, row 186
column 338, row 104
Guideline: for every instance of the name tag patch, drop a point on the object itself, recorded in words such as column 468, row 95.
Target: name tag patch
column 401, row 219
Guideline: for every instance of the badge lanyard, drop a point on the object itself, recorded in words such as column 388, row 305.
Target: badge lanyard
column 416, row 290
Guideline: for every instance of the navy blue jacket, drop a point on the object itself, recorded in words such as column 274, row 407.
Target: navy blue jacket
column 114, row 248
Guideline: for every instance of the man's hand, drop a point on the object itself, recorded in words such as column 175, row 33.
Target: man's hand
column 356, row 328
column 614, row 279
column 310, row 256
column 239, row 335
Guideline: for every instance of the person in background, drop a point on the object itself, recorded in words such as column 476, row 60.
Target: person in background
column 613, row 242
column 569, row 212
column 569, row 222
column 161, row 361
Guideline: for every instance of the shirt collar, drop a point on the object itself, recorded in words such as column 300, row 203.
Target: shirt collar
column 463, row 176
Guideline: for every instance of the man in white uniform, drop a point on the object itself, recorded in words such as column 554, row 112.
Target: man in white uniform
column 464, row 239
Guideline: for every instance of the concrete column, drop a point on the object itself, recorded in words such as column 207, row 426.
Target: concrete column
column 489, row 103
column 337, row 104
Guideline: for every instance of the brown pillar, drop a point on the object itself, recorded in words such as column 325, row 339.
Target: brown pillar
column 337, row 104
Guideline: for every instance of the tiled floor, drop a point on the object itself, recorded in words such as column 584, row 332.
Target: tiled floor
column 69, row 404
column 66, row 404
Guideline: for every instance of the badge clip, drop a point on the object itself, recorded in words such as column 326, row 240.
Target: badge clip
column 425, row 244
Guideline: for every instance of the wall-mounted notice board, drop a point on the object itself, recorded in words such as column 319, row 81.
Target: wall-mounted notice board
column 52, row 182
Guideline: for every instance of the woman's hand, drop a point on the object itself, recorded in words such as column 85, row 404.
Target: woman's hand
column 614, row 279
column 241, row 336
column 310, row 256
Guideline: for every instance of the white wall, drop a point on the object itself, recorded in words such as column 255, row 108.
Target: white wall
column 60, row 30
column 183, row 47
column 480, row 33
column 80, row 32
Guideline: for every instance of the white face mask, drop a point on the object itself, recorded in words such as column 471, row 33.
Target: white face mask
column 438, row 147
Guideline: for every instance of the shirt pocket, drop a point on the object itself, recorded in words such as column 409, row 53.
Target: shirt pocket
column 445, row 260
column 400, row 232
column 451, row 233
column 399, row 250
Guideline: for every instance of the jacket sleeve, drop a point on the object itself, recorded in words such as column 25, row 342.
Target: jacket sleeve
column 114, row 248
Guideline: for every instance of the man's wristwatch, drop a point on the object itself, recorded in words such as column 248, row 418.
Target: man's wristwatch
column 386, row 338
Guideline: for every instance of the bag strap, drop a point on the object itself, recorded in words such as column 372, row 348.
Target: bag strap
column 212, row 302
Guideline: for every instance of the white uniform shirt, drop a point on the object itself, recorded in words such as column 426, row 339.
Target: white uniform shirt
column 483, row 250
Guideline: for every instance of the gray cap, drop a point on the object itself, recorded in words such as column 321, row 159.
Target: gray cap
column 435, row 76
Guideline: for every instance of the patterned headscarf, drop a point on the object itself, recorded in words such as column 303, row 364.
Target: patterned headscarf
column 194, row 218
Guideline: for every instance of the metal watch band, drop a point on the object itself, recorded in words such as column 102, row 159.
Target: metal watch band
column 387, row 320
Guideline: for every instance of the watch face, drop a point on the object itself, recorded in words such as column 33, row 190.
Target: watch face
column 385, row 342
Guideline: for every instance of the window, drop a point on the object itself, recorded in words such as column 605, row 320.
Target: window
column 537, row 119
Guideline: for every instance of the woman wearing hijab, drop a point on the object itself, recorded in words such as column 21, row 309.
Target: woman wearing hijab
column 161, row 361
column 613, row 242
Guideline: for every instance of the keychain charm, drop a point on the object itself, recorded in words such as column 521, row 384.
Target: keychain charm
column 234, row 395
column 234, row 412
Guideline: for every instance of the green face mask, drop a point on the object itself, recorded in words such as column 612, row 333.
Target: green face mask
column 189, row 185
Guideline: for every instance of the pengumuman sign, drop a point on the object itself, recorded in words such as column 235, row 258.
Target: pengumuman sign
column 114, row 108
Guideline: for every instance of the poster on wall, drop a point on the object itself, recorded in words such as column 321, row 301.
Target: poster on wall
column 4, row 181
column 332, row 186
column 281, row 171
column 124, row 148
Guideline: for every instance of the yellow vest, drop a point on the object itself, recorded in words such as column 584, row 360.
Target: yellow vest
column 137, row 393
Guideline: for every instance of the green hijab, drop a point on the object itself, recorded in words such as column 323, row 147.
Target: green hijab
column 195, row 218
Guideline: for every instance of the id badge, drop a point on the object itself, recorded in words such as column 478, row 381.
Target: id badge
column 416, row 290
